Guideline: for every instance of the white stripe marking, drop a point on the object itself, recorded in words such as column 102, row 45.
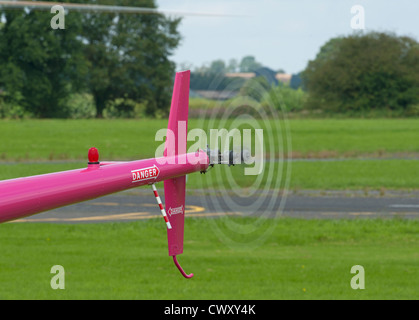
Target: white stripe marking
column 163, row 211
column 404, row 205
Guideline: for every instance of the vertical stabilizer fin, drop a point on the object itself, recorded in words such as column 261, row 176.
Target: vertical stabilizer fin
column 174, row 189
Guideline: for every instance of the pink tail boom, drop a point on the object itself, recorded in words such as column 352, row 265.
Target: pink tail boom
column 174, row 189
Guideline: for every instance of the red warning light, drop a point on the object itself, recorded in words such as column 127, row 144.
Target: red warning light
column 93, row 155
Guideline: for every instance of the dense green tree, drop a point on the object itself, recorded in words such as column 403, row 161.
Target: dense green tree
column 249, row 64
column 109, row 55
column 364, row 72
column 255, row 88
column 128, row 56
column 232, row 66
column 296, row 81
column 39, row 66
column 217, row 66
column 212, row 81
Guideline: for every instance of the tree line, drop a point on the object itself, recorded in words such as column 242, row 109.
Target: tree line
column 246, row 64
column 363, row 73
column 115, row 58
column 119, row 64
column 359, row 74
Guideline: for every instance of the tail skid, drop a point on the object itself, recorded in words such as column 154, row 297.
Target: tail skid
column 187, row 276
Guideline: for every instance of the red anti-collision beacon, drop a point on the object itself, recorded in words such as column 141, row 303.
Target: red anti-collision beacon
column 93, row 156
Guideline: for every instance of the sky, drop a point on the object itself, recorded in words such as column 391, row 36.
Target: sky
column 281, row 34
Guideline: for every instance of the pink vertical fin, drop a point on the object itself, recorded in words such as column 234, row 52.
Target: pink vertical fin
column 174, row 189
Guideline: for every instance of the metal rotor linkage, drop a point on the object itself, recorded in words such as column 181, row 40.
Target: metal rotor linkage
column 228, row 157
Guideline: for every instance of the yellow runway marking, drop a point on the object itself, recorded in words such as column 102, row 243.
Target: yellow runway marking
column 348, row 213
column 125, row 216
column 362, row 213
column 110, row 204
column 192, row 209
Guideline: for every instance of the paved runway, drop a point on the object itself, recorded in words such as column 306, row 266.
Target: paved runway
column 140, row 204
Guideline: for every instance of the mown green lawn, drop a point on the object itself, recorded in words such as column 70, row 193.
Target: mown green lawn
column 320, row 175
column 354, row 137
column 26, row 141
column 134, row 139
column 297, row 259
column 279, row 259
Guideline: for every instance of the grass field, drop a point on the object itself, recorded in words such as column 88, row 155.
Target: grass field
column 281, row 259
column 320, row 175
column 133, row 139
column 376, row 152
column 299, row 259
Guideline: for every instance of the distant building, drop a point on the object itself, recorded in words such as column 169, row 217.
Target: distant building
column 283, row 77
column 271, row 76
column 201, row 82
column 245, row 75
column 268, row 74
column 214, row 95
